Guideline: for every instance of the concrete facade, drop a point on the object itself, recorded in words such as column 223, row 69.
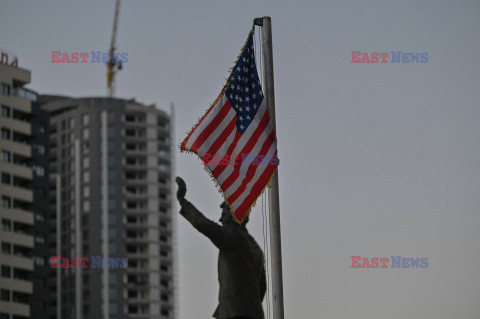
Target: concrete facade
column 16, row 209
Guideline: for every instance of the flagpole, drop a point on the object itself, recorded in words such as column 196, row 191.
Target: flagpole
column 274, row 202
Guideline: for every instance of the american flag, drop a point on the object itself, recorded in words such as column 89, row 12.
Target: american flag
column 236, row 137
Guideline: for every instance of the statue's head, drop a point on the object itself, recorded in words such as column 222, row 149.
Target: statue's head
column 227, row 217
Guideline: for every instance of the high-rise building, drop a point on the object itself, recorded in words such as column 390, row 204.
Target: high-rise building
column 110, row 197
column 17, row 257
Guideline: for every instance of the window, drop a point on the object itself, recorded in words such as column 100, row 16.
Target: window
column 85, row 147
column 6, row 271
column 39, row 261
column 86, row 177
column 86, row 191
column 6, row 224
column 6, row 133
column 86, row 310
column 5, row 156
column 5, row 295
column 4, row 315
column 6, row 202
column 111, row 204
column 6, row 178
column 5, row 89
column 111, row 189
column 39, row 148
column 40, row 240
column 111, row 160
column 165, row 312
column 84, row 220
column 86, row 206
column 38, row 170
column 112, row 234
column 85, row 134
column 113, row 306
column 6, row 111
column 85, row 119
column 6, row 248
column 164, row 283
column 85, row 279
column 39, row 217
column 112, row 277
column 86, row 162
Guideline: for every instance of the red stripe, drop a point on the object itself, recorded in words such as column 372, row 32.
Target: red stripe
column 211, row 126
column 252, row 169
column 255, row 191
column 220, row 168
column 246, row 150
column 185, row 141
column 223, row 137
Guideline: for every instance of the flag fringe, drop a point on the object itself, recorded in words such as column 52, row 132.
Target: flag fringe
column 184, row 150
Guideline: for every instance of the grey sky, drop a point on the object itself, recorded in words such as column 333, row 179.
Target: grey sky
column 376, row 159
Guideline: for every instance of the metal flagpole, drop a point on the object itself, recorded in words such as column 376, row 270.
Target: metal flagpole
column 274, row 203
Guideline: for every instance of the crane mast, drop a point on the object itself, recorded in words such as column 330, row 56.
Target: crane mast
column 113, row 64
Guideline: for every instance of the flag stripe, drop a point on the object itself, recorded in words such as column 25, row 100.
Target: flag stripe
column 218, row 136
column 242, row 209
column 247, row 149
column 205, row 121
column 223, row 138
column 183, row 147
column 252, row 168
column 218, row 172
column 211, row 126
column 258, row 173
column 220, row 168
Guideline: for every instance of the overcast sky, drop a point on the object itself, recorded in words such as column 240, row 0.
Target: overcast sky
column 377, row 160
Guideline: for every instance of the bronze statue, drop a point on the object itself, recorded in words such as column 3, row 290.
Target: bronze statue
column 241, row 270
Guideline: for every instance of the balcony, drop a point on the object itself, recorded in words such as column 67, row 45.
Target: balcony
column 135, row 148
column 20, row 126
column 18, row 147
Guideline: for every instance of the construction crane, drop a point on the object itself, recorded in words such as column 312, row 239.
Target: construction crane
column 113, row 64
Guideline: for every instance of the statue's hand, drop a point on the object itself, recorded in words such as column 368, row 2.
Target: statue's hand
column 182, row 189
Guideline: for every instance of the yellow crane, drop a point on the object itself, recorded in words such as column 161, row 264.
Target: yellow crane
column 113, row 64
